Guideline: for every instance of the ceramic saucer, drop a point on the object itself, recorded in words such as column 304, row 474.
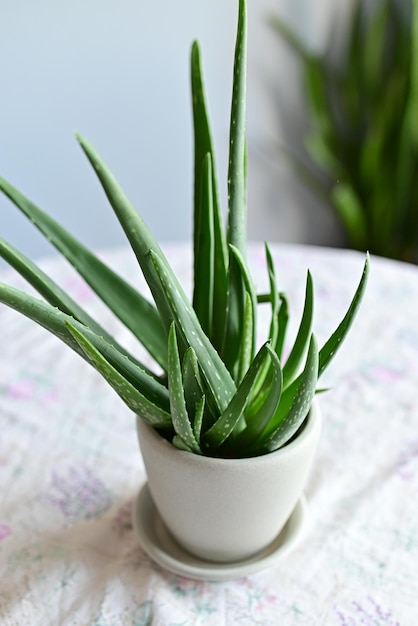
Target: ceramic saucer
column 164, row 550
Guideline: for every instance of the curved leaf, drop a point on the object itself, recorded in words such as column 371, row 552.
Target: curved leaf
column 198, row 419
column 169, row 296
column 56, row 296
column 231, row 416
column 136, row 313
column 301, row 343
column 237, row 210
column 247, row 339
column 203, row 145
column 239, row 284
column 204, row 250
column 213, row 369
column 134, row 399
column 179, row 415
column 257, row 423
column 330, row 348
column 192, row 383
column 55, row 322
column 301, row 403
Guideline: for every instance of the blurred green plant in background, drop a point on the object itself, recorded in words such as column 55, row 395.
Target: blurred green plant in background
column 361, row 151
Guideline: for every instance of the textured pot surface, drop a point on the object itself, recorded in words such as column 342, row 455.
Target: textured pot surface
column 226, row 510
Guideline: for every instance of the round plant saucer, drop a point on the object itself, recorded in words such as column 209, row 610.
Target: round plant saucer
column 160, row 546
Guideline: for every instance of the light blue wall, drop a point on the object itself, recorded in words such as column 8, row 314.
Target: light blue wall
column 118, row 73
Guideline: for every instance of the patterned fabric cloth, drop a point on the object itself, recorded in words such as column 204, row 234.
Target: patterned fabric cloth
column 70, row 470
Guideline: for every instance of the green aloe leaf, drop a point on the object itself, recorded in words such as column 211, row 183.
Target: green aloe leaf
column 214, row 371
column 274, row 297
column 283, row 319
column 301, row 403
column 234, row 316
column 179, row 443
column 139, row 236
column 55, row 295
column 192, row 383
column 277, row 332
column 331, row 347
column 231, row 416
column 198, row 419
column 53, row 320
column 237, row 219
column 247, row 339
column 204, row 250
column 257, row 422
column 301, row 343
column 326, row 353
column 136, row 313
column 237, row 195
column 193, row 391
column 169, row 296
column 136, row 401
column 203, row 145
column 179, row 415
column 279, row 307
column 246, row 279
column 242, row 315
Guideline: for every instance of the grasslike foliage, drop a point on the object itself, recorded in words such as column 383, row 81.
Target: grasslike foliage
column 362, row 144
column 217, row 396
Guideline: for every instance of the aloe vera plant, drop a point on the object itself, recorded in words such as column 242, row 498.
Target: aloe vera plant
column 218, row 395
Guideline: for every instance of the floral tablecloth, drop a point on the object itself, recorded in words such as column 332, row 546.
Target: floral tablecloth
column 70, row 471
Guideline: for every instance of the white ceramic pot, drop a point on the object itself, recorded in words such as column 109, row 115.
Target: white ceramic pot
column 227, row 510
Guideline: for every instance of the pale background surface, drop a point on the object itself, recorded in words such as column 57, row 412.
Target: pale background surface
column 118, row 73
column 70, row 469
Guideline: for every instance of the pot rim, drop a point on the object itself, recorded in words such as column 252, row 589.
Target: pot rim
column 312, row 423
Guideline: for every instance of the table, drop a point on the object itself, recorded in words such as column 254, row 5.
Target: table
column 70, row 470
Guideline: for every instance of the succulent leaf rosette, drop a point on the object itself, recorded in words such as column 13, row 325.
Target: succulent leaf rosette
column 219, row 394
